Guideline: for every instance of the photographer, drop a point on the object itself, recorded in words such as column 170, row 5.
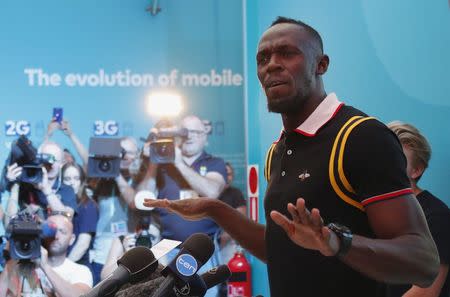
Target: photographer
column 47, row 192
column 194, row 173
column 53, row 273
column 115, row 198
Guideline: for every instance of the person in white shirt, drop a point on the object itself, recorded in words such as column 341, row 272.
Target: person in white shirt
column 57, row 275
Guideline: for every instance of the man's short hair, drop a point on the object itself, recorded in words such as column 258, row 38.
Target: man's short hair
column 411, row 137
column 312, row 32
column 54, row 144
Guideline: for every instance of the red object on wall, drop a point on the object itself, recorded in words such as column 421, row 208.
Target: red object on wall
column 253, row 180
column 240, row 282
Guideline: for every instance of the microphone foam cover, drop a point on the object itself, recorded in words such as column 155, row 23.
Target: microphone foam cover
column 216, row 275
column 200, row 246
column 139, row 261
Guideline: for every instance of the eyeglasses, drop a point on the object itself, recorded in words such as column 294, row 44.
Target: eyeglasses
column 196, row 133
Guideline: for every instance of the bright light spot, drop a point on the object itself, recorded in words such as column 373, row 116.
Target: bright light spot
column 164, row 104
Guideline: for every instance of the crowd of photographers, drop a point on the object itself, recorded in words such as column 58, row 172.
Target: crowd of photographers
column 63, row 225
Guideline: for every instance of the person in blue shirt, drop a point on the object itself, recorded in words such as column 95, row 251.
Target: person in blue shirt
column 86, row 215
column 194, row 173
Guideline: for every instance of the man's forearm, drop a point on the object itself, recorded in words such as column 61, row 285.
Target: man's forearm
column 81, row 150
column 405, row 259
column 247, row 233
column 54, row 203
column 126, row 191
column 434, row 290
column 62, row 287
column 80, row 247
column 203, row 186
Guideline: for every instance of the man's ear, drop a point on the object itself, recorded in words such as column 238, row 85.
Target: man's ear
column 322, row 66
column 72, row 239
column 417, row 172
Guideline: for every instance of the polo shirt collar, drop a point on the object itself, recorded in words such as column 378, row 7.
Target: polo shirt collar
column 323, row 113
column 204, row 155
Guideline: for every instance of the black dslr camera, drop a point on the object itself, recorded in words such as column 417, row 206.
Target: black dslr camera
column 25, row 155
column 105, row 155
column 162, row 144
column 143, row 237
column 25, row 235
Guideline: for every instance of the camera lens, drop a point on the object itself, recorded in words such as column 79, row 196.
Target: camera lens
column 24, row 248
column 104, row 165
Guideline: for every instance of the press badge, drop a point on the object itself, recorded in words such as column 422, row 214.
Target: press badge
column 119, row 228
column 188, row 194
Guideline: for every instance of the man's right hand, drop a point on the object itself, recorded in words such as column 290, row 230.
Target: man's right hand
column 190, row 209
column 129, row 242
column 13, row 172
column 45, row 186
column 65, row 127
column 52, row 126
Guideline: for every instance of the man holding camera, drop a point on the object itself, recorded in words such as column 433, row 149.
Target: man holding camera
column 49, row 192
column 53, row 273
column 194, row 173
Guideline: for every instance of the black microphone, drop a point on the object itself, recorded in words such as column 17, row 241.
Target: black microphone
column 198, row 285
column 195, row 252
column 133, row 266
column 195, row 287
column 216, row 275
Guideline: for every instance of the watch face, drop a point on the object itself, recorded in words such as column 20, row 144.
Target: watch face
column 339, row 228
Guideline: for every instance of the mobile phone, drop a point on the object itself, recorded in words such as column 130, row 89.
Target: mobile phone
column 58, row 114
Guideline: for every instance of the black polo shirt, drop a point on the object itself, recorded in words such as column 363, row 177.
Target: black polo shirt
column 339, row 171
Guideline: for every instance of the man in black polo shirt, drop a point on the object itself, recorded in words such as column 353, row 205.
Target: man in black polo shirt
column 339, row 161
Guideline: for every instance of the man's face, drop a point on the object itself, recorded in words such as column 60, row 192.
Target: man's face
column 57, row 153
column 196, row 139
column 285, row 67
column 63, row 237
column 130, row 153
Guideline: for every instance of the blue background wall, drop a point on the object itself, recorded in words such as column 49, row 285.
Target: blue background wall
column 83, row 37
column 388, row 58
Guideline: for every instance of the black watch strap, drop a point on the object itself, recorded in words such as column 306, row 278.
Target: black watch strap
column 345, row 238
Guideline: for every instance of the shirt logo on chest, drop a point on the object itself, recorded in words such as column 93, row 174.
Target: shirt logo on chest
column 304, row 175
column 203, row 170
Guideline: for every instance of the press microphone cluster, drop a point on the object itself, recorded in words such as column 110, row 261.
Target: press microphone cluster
column 180, row 276
column 133, row 266
column 194, row 252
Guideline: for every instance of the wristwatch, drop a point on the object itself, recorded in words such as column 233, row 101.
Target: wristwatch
column 345, row 238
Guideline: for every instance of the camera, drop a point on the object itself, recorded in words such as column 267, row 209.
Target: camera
column 105, row 155
column 143, row 236
column 162, row 144
column 25, row 235
column 25, row 155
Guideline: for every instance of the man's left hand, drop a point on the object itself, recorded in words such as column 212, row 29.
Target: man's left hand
column 45, row 185
column 306, row 228
column 43, row 260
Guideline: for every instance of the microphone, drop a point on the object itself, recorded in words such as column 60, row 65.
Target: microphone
column 216, row 275
column 195, row 251
column 198, row 285
column 133, row 266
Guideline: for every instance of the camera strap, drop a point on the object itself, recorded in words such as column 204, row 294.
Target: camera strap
column 27, row 291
